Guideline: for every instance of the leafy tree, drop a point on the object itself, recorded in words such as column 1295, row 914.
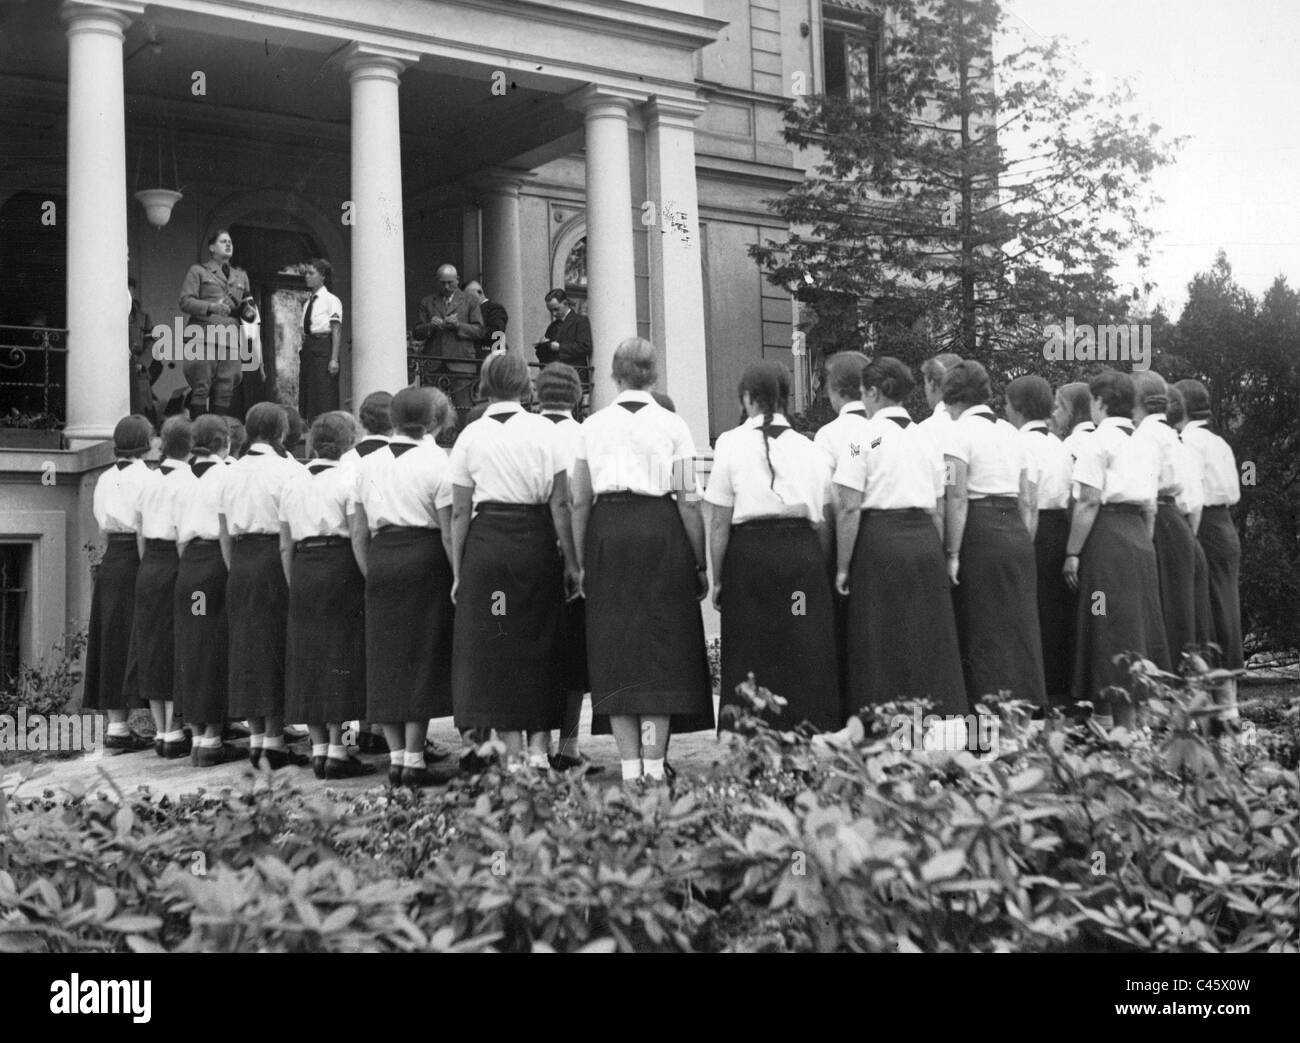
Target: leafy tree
column 920, row 224
column 1247, row 352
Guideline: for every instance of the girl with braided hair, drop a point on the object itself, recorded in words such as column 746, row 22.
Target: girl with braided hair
column 769, row 494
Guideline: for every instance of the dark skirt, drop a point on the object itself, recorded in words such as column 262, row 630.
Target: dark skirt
column 505, row 668
column 996, row 603
column 1176, row 568
column 572, row 653
column 325, row 653
column 111, row 681
column 1119, row 562
column 200, row 635
column 902, row 633
column 151, row 634
column 778, row 621
column 1201, row 585
column 645, row 636
column 257, row 605
column 1218, row 536
column 409, row 619
column 1057, row 604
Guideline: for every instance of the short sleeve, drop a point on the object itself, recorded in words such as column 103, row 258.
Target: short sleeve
column 721, row 489
column 851, row 471
column 459, row 465
column 954, row 441
column 580, row 441
column 1029, row 459
column 336, row 309
column 1090, row 462
column 442, row 490
column 683, row 444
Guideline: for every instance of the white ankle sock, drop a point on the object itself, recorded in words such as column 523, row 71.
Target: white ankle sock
column 209, row 743
column 632, row 769
column 398, row 758
column 320, row 749
column 119, row 728
column 338, row 753
column 255, row 741
column 175, row 736
column 415, row 760
column 654, row 769
column 273, row 744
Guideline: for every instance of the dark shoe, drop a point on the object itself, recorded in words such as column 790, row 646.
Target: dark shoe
column 211, row 756
column 563, row 762
column 179, row 748
column 234, row 731
column 132, row 743
column 670, row 773
column 292, row 735
column 318, row 766
column 368, row 742
column 350, row 768
column 284, row 758
column 158, row 745
column 395, row 774
column 472, row 764
column 418, row 778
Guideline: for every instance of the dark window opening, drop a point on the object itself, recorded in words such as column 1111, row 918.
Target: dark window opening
column 851, row 44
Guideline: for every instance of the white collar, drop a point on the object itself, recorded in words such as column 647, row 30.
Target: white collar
column 1034, row 425
column 939, row 407
column 558, row 412
column 503, row 407
column 1116, row 421
column 632, row 395
column 1196, row 423
column 261, row 449
column 888, row 411
column 321, row 461
column 977, row 410
column 778, row 420
column 853, row 406
column 404, row 440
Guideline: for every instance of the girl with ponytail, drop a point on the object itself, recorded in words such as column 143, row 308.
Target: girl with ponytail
column 769, row 528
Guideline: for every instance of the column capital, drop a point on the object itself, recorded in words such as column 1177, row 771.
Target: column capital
column 110, row 16
column 678, row 112
column 364, row 60
column 501, row 181
column 604, row 99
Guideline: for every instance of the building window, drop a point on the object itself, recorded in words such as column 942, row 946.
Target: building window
column 850, row 53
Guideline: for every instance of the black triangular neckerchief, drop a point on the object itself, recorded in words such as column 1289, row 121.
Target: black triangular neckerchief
column 555, row 418
column 122, row 465
column 1039, row 431
column 903, row 421
column 368, row 445
column 502, row 418
column 399, row 448
column 203, row 466
column 1128, row 431
column 987, row 416
column 315, row 469
column 172, row 470
column 632, row 407
column 774, row 430
column 277, row 450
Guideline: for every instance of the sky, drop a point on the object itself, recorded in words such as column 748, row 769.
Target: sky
column 1227, row 76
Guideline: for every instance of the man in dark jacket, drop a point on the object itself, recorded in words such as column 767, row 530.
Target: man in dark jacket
column 495, row 318
column 568, row 337
column 450, row 324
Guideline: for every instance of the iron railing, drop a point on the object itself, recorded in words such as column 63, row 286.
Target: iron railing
column 33, row 370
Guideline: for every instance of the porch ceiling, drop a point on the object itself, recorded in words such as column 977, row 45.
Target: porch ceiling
column 277, row 88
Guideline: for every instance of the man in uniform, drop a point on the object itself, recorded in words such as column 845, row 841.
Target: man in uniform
column 216, row 294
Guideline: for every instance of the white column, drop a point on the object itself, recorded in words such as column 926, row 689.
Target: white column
column 379, row 320
column 676, row 275
column 98, row 388
column 611, row 294
column 503, row 264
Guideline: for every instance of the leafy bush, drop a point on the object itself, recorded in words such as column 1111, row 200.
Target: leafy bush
column 47, row 686
column 1164, row 839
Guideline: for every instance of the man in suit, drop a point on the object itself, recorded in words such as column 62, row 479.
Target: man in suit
column 495, row 318
column 215, row 293
column 450, row 324
column 568, row 338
